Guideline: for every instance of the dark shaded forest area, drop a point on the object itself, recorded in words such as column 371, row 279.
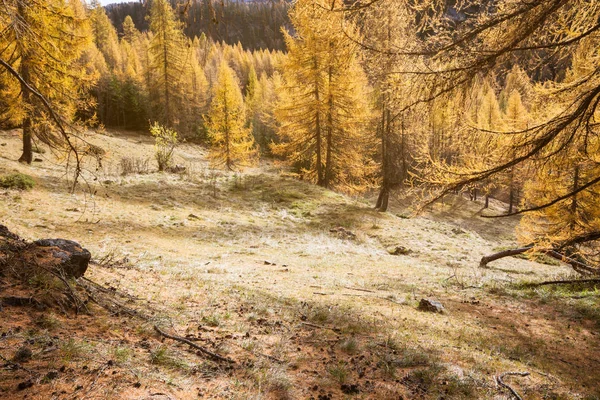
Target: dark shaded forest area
column 254, row 24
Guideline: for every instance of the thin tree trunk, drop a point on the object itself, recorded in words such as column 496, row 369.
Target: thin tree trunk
column 383, row 159
column 27, row 155
column 166, row 74
column 328, row 165
column 320, row 177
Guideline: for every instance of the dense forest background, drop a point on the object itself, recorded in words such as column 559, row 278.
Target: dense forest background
column 255, row 25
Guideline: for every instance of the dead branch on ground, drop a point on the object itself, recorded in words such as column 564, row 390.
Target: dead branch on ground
column 214, row 356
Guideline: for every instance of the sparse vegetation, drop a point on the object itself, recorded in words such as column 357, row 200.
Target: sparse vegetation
column 165, row 144
column 238, row 273
column 17, row 181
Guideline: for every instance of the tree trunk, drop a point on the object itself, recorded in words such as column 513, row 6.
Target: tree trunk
column 383, row 159
column 329, row 143
column 487, row 201
column 320, row 177
column 27, row 155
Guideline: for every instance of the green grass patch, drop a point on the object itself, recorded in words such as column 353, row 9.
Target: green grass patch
column 17, row 181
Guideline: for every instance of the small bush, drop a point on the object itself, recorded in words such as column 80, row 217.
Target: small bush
column 17, row 181
column 72, row 350
column 133, row 165
column 165, row 143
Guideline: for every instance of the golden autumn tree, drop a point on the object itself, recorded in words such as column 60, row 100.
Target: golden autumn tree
column 232, row 145
column 168, row 53
column 41, row 45
column 323, row 106
column 545, row 38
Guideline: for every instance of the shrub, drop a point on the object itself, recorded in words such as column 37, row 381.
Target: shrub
column 165, row 143
column 17, row 181
column 133, row 165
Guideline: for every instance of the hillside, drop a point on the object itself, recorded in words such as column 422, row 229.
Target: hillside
column 295, row 283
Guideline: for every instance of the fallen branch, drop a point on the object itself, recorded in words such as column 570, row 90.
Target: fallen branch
column 578, row 266
column 336, row 330
column 506, row 253
column 209, row 353
column 359, row 289
column 503, row 384
column 16, row 365
column 563, row 282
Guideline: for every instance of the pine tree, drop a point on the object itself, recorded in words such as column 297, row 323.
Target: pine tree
column 232, row 143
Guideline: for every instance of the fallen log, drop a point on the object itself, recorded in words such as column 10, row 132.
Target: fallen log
column 578, row 266
column 563, row 282
column 506, row 253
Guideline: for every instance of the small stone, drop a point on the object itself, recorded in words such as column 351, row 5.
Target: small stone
column 431, row 305
column 399, row 251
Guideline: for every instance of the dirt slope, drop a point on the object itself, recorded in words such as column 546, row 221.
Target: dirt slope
column 295, row 283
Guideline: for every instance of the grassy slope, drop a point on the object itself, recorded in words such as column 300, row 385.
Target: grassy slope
column 195, row 249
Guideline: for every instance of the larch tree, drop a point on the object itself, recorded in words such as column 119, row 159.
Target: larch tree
column 232, row 145
column 40, row 47
column 323, row 107
column 455, row 45
column 168, row 51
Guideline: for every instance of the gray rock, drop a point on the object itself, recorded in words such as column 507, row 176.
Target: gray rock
column 72, row 259
column 431, row 305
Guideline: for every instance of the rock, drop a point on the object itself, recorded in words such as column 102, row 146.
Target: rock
column 193, row 216
column 431, row 305
column 399, row 251
column 67, row 255
column 343, row 233
column 23, row 355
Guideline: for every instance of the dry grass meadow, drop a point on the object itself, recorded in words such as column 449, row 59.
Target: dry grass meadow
column 295, row 283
